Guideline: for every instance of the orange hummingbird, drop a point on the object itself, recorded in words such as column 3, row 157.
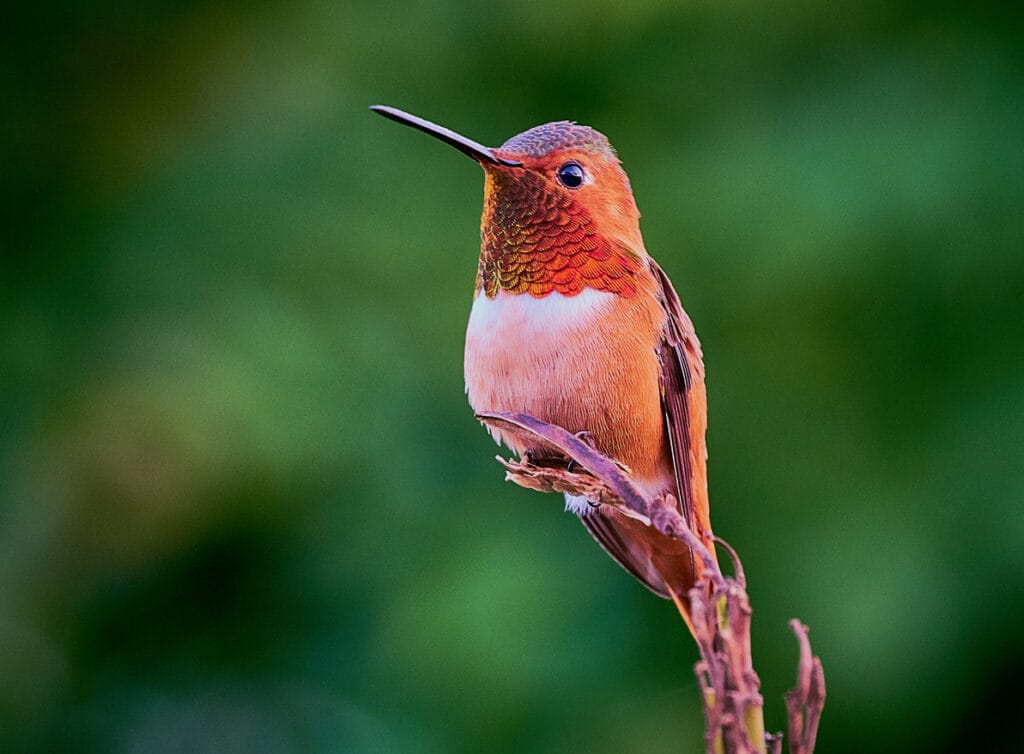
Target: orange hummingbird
column 575, row 324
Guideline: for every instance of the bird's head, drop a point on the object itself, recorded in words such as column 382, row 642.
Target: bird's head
column 559, row 213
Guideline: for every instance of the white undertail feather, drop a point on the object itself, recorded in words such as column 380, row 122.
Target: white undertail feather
column 578, row 504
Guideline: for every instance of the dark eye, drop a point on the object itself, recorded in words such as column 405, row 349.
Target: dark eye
column 571, row 175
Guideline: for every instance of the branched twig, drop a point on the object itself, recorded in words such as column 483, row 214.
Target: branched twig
column 719, row 607
column 805, row 701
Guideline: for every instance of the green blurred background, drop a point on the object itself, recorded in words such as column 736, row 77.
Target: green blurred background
column 244, row 504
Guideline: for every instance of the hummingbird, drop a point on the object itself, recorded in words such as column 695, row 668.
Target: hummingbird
column 575, row 324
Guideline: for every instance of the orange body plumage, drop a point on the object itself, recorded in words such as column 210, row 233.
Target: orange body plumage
column 574, row 323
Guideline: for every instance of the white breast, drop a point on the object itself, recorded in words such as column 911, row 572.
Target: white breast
column 501, row 317
column 521, row 351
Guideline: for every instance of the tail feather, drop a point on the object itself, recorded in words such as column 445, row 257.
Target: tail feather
column 665, row 566
column 616, row 542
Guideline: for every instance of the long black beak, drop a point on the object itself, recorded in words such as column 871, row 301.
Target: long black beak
column 477, row 151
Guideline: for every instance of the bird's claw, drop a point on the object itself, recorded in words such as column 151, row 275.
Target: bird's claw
column 586, row 437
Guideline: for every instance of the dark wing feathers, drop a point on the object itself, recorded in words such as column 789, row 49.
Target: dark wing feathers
column 684, row 401
column 676, row 381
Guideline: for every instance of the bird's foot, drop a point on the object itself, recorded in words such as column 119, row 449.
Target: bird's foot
column 549, row 478
column 541, row 458
column 585, row 437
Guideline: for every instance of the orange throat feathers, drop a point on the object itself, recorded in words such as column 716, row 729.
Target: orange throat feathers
column 538, row 241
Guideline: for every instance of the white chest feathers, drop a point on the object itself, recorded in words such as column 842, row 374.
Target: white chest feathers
column 517, row 320
column 524, row 353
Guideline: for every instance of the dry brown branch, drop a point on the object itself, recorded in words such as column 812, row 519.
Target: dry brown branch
column 719, row 606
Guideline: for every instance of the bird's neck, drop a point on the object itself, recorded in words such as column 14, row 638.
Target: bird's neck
column 538, row 242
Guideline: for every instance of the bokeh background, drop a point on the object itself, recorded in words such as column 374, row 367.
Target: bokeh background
column 243, row 504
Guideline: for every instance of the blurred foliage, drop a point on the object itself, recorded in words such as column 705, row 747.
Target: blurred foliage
column 244, row 506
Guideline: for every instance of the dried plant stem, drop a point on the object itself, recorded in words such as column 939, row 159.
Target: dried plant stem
column 719, row 607
column 805, row 701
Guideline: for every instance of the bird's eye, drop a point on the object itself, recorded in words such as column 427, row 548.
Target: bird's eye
column 571, row 175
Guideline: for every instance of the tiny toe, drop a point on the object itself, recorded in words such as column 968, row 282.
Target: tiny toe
column 574, row 468
column 586, row 437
